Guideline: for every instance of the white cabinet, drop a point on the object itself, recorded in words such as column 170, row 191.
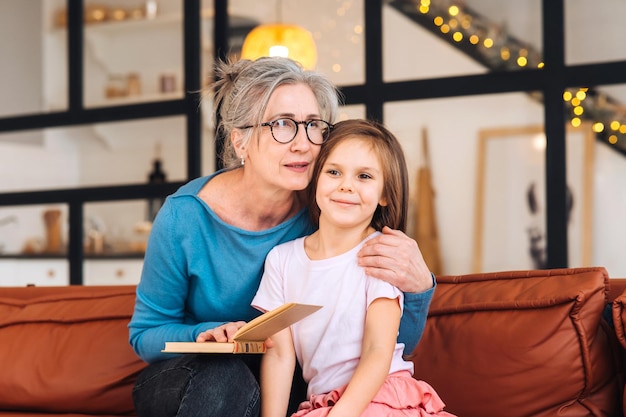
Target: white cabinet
column 44, row 272
column 37, row 272
column 8, row 273
column 112, row 272
column 55, row 272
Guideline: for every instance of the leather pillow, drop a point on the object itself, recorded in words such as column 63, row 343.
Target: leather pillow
column 619, row 322
column 525, row 343
column 619, row 318
column 67, row 351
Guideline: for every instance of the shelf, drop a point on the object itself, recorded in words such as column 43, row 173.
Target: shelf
column 161, row 21
column 22, row 256
column 44, row 256
column 118, row 27
column 136, row 99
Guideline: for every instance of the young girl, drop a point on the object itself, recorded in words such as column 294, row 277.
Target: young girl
column 347, row 350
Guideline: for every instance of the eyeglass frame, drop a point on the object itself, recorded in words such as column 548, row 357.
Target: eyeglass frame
column 302, row 122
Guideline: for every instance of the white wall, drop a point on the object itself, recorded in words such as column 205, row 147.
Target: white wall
column 609, row 221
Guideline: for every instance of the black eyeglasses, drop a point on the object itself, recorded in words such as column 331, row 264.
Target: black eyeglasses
column 285, row 130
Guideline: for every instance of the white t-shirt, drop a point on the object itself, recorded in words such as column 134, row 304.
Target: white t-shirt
column 328, row 342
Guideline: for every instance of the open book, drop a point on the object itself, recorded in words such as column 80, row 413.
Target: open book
column 250, row 338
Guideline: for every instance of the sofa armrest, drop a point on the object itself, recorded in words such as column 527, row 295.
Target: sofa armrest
column 619, row 318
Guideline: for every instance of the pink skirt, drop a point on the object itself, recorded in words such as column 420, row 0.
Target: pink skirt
column 400, row 395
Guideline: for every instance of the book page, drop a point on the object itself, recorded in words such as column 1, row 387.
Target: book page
column 274, row 321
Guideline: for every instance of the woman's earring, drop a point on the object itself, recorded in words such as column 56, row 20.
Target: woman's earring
column 243, row 160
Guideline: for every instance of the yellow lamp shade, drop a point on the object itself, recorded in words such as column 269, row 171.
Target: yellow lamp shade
column 281, row 40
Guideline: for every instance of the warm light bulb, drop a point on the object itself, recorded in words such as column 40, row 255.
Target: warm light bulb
column 279, row 50
column 567, row 96
column 539, row 142
column 281, row 40
column 598, row 127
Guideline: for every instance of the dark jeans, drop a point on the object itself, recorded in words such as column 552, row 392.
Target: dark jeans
column 205, row 385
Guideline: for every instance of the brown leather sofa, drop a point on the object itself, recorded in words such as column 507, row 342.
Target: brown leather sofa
column 527, row 343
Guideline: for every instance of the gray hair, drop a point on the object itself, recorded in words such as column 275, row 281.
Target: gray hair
column 243, row 89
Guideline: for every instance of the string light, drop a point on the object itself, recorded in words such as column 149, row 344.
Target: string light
column 452, row 16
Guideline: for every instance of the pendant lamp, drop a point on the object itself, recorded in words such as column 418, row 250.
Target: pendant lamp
column 280, row 39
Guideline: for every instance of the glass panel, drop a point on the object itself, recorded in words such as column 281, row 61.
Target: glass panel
column 355, row 111
column 122, row 64
column 208, row 145
column 54, row 55
column 452, row 130
column 21, row 65
column 116, row 228
column 93, row 155
column 439, row 38
column 594, row 31
column 337, row 29
column 606, row 121
column 33, row 230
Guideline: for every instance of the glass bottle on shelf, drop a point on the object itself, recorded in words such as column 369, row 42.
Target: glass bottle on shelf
column 157, row 176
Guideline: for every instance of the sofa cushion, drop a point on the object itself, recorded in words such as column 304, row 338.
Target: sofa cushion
column 529, row 342
column 66, row 350
column 619, row 318
column 619, row 322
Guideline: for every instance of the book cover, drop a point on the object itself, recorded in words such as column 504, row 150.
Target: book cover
column 250, row 338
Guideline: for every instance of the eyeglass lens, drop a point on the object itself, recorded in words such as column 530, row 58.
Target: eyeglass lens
column 285, row 130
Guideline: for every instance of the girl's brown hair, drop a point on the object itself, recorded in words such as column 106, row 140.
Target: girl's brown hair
column 392, row 161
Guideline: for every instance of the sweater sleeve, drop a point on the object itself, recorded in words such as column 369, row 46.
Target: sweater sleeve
column 160, row 306
column 413, row 320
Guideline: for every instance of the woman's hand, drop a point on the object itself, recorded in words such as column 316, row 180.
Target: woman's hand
column 223, row 333
column 394, row 257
